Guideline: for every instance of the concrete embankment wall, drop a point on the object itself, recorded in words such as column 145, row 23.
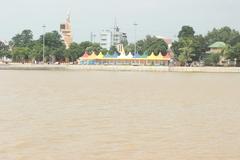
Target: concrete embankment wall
column 120, row 68
column 159, row 69
column 31, row 67
column 206, row 69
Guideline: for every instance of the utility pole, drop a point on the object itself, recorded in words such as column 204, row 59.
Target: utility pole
column 91, row 39
column 94, row 38
column 43, row 43
column 135, row 36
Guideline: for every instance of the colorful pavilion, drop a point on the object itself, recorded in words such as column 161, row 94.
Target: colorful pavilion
column 125, row 59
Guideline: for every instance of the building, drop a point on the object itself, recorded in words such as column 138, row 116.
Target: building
column 106, row 39
column 125, row 59
column 110, row 38
column 217, row 47
column 118, row 36
column 66, row 32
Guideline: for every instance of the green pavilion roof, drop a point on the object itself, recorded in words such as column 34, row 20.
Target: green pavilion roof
column 218, row 45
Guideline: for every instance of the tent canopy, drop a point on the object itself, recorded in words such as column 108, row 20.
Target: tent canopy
column 107, row 56
column 85, row 55
column 145, row 55
column 100, row 56
column 136, row 55
column 152, row 56
column 122, row 56
column 130, row 56
column 92, row 56
column 160, row 56
column 115, row 55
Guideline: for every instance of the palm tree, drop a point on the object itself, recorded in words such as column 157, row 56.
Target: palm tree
column 186, row 51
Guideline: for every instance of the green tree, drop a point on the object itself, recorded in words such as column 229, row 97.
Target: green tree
column 87, row 46
column 199, row 47
column 58, row 54
column 225, row 34
column 55, row 48
column 158, row 46
column 186, row 31
column 113, row 49
column 94, row 47
column 175, row 48
column 36, row 52
column 104, row 51
column 233, row 52
column 151, row 44
column 140, row 46
column 20, row 54
column 212, row 59
column 23, row 39
column 4, row 50
column 53, row 40
column 186, row 52
column 73, row 53
column 130, row 48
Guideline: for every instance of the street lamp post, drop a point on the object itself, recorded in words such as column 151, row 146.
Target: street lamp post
column 94, row 38
column 135, row 37
column 43, row 43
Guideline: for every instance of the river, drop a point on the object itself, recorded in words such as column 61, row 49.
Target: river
column 88, row 115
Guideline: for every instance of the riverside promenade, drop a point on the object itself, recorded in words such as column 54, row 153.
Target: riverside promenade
column 65, row 67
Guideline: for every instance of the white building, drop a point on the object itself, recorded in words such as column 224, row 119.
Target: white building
column 110, row 38
column 106, row 39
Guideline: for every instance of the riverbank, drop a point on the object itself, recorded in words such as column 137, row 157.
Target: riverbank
column 119, row 68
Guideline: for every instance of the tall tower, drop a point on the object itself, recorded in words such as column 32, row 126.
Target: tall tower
column 66, row 31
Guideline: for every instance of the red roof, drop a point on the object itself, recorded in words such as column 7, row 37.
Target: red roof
column 85, row 55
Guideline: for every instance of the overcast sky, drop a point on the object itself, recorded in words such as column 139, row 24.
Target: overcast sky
column 155, row 17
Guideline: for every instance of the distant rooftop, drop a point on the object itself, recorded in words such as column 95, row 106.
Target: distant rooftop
column 166, row 39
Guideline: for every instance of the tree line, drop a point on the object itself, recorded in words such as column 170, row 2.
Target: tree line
column 192, row 47
column 189, row 47
column 23, row 48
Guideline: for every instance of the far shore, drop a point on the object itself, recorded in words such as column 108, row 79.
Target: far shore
column 66, row 67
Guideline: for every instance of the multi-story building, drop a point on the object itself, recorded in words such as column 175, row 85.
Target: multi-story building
column 106, row 39
column 110, row 38
column 66, row 32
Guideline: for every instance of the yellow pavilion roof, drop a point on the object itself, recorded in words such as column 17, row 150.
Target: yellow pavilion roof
column 160, row 57
column 92, row 56
column 100, row 56
column 152, row 56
